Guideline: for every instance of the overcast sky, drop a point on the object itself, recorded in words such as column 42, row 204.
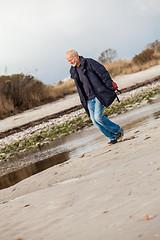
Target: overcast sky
column 35, row 34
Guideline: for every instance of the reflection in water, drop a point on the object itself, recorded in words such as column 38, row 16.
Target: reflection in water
column 78, row 143
column 18, row 175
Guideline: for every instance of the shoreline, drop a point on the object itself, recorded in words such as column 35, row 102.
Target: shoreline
column 56, row 152
column 40, row 135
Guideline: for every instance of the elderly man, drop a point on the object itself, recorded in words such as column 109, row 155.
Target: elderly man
column 95, row 89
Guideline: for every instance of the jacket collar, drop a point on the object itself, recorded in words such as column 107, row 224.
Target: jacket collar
column 74, row 69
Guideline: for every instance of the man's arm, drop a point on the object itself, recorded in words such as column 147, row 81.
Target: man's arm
column 101, row 71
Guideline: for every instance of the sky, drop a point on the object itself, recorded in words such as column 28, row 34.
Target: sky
column 35, row 34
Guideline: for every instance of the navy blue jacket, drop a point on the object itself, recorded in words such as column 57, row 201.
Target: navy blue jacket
column 99, row 80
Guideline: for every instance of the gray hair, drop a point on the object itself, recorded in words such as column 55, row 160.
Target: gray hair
column 74, row 52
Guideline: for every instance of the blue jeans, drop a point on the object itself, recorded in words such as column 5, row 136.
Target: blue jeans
column 107, row 127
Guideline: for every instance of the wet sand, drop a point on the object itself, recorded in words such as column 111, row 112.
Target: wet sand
column 107, row 193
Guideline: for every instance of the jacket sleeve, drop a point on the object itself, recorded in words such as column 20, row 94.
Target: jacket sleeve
column 101, row 71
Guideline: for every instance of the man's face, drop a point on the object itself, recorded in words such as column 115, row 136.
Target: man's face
column 73, row 60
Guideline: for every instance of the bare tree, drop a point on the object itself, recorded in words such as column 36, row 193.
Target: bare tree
column 153, row 44
column 107, row 55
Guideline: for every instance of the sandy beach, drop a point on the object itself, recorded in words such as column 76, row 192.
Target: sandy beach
column 110, row 192
column 107, row 193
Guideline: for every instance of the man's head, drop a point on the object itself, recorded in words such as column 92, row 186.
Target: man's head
column 73, row 57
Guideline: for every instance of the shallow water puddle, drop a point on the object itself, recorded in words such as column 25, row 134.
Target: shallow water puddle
column 25, row 172
column 76, row 144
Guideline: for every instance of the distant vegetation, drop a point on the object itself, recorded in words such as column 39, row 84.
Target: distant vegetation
column 148, row 58
column 19, row 92
column 107, row 56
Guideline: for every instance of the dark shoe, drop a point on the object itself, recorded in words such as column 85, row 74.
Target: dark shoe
column 120, row 135
column 112, row 142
